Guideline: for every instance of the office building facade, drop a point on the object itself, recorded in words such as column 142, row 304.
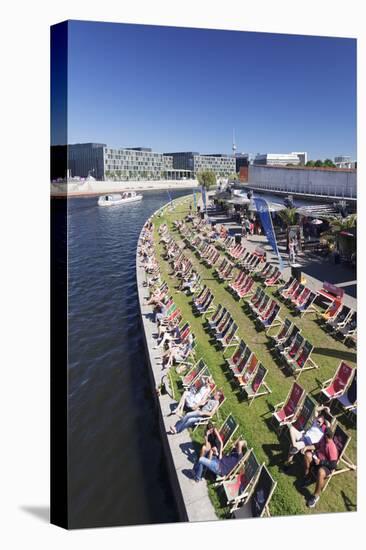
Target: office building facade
column 221, row 165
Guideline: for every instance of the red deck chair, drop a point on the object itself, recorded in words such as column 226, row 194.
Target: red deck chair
column 336, row 386
column 286, row 411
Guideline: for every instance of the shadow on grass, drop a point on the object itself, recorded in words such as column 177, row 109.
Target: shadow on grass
column 350, row 506
column 275, row 452
column 331, row 352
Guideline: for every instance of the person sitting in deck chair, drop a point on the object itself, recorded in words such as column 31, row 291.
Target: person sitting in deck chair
column 192, row 399
column 322, row 460
column 206, row 411
column 220, row 466
column 177, row 353
column 189, row 283
column 213, row 442
column 312, row 436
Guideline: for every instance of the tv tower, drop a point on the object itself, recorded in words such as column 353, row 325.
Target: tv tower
column 234, row 146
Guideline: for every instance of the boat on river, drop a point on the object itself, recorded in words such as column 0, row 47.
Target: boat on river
column 115, row 199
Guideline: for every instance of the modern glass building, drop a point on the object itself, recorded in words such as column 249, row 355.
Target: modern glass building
column 222, row 165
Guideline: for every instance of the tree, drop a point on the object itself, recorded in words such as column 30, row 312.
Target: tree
column 336, row 225
column 329, row 163
column 310, row 163
column 233, row 177
column 318, row 163
column 288, row 216
column 206, row 178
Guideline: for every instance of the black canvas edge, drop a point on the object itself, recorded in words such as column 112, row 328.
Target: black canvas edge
column 58, row 212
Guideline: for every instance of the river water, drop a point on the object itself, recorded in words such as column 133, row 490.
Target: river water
column 117, row 470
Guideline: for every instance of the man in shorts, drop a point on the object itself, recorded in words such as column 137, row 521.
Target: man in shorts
column 301, row 440
column 321, row 459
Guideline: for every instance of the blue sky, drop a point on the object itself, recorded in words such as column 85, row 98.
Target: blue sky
column 178, row 89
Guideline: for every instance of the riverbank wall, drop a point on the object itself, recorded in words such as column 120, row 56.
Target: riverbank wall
column 192, row 499
column 94, row 188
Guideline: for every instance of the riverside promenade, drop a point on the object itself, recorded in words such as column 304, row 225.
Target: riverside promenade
column 179, row 448
column 93, row 188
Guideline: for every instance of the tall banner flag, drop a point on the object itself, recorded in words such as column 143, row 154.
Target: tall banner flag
column 203, row 191
column 266, row 221
column 194, row 201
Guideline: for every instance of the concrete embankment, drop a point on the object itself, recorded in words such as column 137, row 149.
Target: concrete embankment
column 95, row 188
column 192, row 498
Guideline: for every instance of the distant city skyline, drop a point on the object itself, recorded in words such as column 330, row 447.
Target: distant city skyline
column 180, row 89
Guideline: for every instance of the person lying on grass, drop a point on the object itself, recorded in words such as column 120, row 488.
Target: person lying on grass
column 320, row 459
column 207, row 410
column 220, row 466
column 300, row 440
column 192, row 399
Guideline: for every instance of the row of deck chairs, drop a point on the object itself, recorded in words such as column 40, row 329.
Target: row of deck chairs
column 298, row 297
column 298, row 410
column 242, row 485
column 342, row 388
column 340, row 321
column 224, row 270
column 269, row 274
column 292, row 349
column 242, row 285
column 223, row 328
column 248, row 372
column 203, row 301
column 264, row 309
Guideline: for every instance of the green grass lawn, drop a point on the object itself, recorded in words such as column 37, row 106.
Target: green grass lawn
column 254, row 421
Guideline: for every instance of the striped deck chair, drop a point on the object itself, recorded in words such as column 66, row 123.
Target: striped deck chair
column 331, row 312
column 290, row 355
column 216, row 317
column 286, row 411
column 257, row 387
column 290, row 291
column 227, row 429
column 282, row 347
column 238, row 353
column 193, row 373
column 247, row 373
column 344, row 463
column 285, row 286
column 272, row 319
column 237, row 486
column 247, row 290
column 308, row 305
column 230, row 339
column 303, row 361
column 219, row 336
column 274, row 280
column 304, row 415
column 347, row 402
column 238, row 369
column 336, row 386
column 282, row 334
column 341, row 319
column 256, row 504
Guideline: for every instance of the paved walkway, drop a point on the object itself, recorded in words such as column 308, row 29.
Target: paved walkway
column 315, row 269
column 195, row 495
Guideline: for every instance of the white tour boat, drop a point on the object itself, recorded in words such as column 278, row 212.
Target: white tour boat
column 117, row 198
